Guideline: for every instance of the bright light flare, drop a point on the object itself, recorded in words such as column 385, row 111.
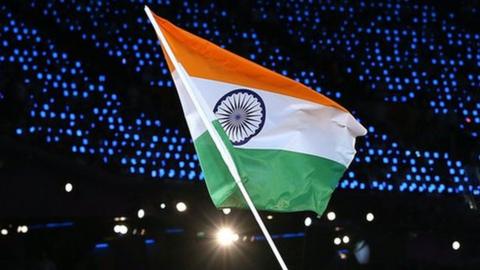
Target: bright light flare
column 226, row 237
column 68, row 187
column 337, row 241
column 308, row 221
column 140, row 213
column 181, row 207
column 456, row 245
column 120, row 229
column 331, row 216
column 22, row 229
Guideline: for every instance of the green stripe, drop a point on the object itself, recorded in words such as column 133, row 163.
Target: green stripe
column 276, row 180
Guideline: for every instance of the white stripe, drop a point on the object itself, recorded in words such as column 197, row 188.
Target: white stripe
column 291, row 124
column 194, row 121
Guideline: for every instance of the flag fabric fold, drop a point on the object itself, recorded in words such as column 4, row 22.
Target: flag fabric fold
column 290, row 144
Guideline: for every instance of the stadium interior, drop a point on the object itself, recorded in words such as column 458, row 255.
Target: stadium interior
column 98, row 170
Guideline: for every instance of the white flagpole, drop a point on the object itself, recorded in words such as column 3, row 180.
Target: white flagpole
column 207, row 118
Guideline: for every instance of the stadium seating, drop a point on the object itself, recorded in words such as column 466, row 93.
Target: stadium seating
column 403, row 50
column 71, row 108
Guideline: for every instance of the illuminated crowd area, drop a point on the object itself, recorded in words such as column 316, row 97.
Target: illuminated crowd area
column 97, row 87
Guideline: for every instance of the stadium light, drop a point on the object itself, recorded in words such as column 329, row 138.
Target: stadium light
column 226, row 237
column 456, row 245
column 337, row 241
column 346, row 239
column 370, row 217
column 331, row 216
column 68, row 187
column 163, row 205
column 4, row 231
column 308, row 221
column 123, row 229
column 22, row 229
column 140, row 213
column 120, row 229
column 181, row 207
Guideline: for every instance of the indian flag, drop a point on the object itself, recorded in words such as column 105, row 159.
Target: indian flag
column 289, row 143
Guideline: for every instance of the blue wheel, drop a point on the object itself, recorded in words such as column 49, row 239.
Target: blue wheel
column 241, row 113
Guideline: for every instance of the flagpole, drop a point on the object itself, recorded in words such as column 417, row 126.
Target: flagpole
column 207, row 117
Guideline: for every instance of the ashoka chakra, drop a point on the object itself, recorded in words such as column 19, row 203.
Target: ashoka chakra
column 241, row 113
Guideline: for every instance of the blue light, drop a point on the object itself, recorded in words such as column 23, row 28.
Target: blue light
column 101, row 246
column 149, row 241
column 174, row 230
column 281, row 236
column 379, row 68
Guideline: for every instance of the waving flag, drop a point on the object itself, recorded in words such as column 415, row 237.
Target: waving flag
column 290, row 144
